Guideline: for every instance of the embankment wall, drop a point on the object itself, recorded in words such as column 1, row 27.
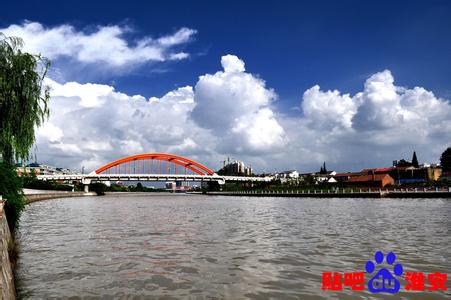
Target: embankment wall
column 7, row 289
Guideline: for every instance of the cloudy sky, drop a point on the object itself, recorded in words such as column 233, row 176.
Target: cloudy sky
column 280, row 86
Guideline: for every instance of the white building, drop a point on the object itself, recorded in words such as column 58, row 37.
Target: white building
column 292, row 174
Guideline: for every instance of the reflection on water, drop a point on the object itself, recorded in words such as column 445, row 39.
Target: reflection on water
column 225, row 247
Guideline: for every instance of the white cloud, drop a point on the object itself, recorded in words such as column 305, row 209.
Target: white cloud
column 232, row 63
column 235, row 106
column 231, row 112
column 328, row 109
column 178, row 56
column 51, row 132
column 384, row 106
column 106, row 45
column 187, row 144
column 92, row 124
column 106, row 124
column 258, row 132
column 382, row 123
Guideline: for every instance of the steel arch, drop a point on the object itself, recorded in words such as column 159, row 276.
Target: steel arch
column 182, row 161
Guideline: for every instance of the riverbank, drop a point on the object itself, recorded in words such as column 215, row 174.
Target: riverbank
column 7, row 289
column 337, row 194
column 29, row 198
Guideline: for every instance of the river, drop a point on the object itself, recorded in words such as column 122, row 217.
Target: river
column 143, row 246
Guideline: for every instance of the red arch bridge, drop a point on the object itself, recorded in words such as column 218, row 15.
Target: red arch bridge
column 153, row 167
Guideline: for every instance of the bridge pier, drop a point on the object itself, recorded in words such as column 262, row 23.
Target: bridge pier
column 86, row 182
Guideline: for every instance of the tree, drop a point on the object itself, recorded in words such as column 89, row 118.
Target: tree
column 445, row 160
column 140, row 187
column 23, row 107
column 23, row 99
column 323, row 169
column 98, row 187
column 415, row 160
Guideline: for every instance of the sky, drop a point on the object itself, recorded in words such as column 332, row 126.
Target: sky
column 280, row 85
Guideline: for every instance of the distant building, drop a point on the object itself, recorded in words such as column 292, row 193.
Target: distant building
column 373, row 180
column 292, row 174
column 403, row 172
column 325, row 177
column 40, row 169
column 408, row 175
column 318, row 177
column 171, row 186
column 178, row 186
column 433, row 172
column 236, row 167
column 343, row 177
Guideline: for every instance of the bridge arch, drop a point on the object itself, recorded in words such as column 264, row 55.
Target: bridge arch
column 141, row 159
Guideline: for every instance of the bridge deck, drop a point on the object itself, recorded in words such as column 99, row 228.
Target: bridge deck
column 152, row 177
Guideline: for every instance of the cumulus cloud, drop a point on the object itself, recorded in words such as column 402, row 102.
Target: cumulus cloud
column 232, row 112
column 106, row 45
column 235, row 106
column 231, row 63
column 257, row 132
column 382, row 123
column 328, row 109
column 382, row 105
column 93, row 124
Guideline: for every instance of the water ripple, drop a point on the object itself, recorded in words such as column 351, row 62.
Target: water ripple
column 141, row 246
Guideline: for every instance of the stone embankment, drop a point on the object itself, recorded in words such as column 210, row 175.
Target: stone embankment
column 7, row 290
column 29, row 198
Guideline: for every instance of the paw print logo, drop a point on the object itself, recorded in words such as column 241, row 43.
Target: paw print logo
column 383, row 280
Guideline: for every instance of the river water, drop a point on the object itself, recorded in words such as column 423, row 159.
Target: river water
column 145, row 246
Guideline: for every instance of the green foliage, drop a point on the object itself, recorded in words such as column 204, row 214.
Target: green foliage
column 323, row 169
column 117, row 188
column 415, row 160
column 31, row 182
column 445, row 160
column 130, row 188
column 23, row 99
column 98, row 187
column 141, row 188
column 11, row 190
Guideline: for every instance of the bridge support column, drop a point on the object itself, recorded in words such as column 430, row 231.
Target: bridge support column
column 86, row 183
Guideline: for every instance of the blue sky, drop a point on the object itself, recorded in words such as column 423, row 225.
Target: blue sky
column 290, row 45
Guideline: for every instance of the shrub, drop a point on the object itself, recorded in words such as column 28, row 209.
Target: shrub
column 11, row 190
column 98, row 188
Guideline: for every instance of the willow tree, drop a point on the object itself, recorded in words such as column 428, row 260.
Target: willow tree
column 23, row 98
column 23, row 107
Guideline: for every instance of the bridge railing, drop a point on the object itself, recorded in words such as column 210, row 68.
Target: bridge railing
column 152, row 177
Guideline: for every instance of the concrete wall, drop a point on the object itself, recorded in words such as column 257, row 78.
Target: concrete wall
column 39, row 197
column 7, row 289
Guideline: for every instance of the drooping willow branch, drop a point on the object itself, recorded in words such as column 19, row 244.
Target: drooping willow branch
column 23, row 98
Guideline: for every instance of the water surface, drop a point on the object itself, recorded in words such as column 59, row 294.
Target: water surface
column 179, row 246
